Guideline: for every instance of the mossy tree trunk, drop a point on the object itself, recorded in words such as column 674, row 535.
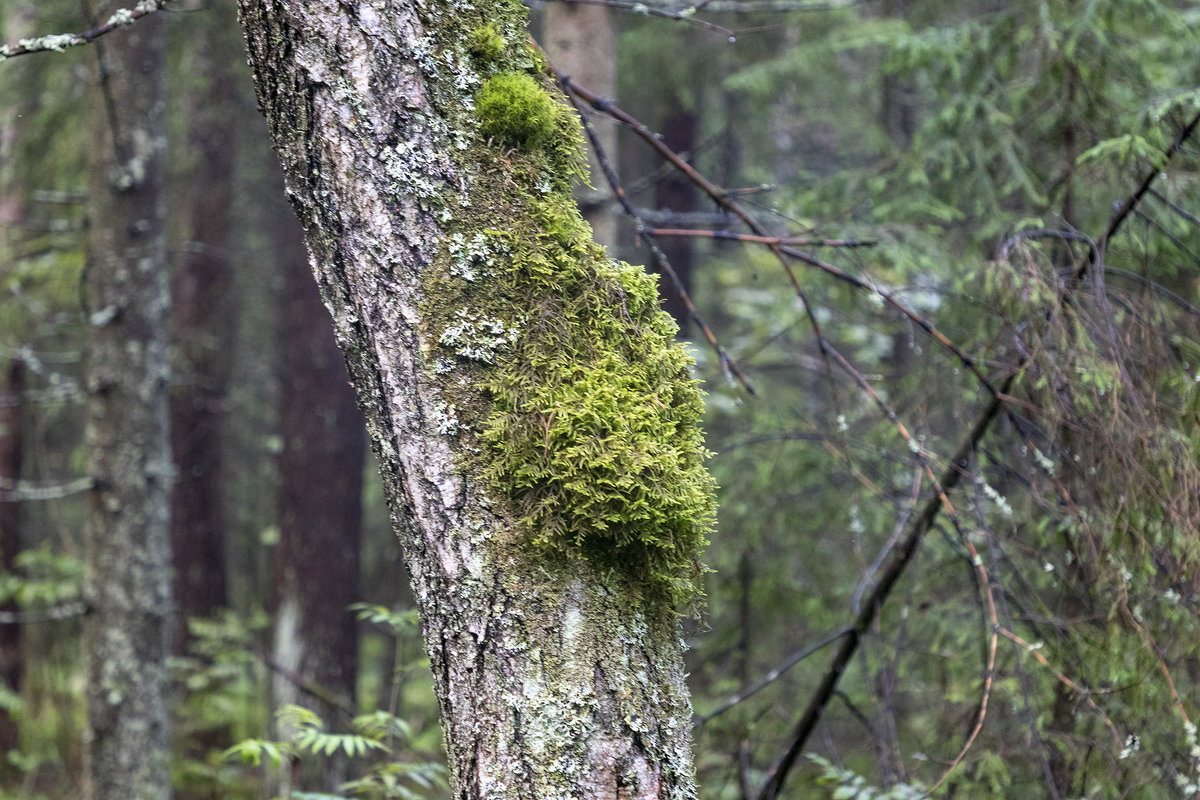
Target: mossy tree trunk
column 126, row 296
column 535, row 424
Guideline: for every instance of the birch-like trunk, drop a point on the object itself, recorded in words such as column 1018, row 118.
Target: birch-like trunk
column 129, row 460
column 581, row 41
column 556, row 676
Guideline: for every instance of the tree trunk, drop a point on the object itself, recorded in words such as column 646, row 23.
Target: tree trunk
column 204, row 322
column 12, row 439
column 581, row 41
column 676, row 193
column 320, row 505
column 535, row 424
column 18, row 22
column 129, row 461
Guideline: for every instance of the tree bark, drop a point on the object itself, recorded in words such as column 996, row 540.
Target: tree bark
column 126, row 299
column 204, row 323
column 411, row 135
column 320, row 506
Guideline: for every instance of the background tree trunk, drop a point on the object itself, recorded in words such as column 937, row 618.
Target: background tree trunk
column 557, row 677
column 129, row 461
column 320, row 506
column 676, row 193
column 581, row 41
column 12, row 439
column 204, row 322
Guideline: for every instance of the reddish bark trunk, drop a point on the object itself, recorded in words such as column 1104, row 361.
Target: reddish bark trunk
column 317, row 567
column 204, row 317
column 12, row 426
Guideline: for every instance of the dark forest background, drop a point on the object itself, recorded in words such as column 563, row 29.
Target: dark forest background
column 919, row 227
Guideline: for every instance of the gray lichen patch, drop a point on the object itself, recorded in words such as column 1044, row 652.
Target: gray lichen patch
column 478, row 337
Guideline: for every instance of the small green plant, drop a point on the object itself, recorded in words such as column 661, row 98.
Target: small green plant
column 384, row 779
column 849, row 785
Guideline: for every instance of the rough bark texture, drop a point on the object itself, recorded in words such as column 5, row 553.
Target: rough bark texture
column 129, row 460
column 320, row 505
column 203, row 327
column 581, row 41
column 556, row 676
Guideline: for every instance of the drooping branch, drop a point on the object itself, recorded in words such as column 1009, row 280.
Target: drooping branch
column 728, row 365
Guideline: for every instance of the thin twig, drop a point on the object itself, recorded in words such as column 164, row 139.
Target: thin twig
column 799, row 241
column 1083, row 693
column 306, row 686
column 774, row 675
column 23, row 491
column 728, row 365
column 680, row 15
column 58, row 42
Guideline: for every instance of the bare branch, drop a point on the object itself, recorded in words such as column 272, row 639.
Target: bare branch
column 800, row 241
column 58, row 42
column 677, row 14
column 728, row 365
column 66, row 611
column 23, row 491
column 774, row 675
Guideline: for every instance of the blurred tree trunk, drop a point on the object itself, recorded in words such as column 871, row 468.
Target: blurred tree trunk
column 320, row 504
column 676, row 193
column 127, row 532
column 897, row 96
column 204, row 322
column 556, row 676
column 12, row 435
column 581, row 42
column 17, row 21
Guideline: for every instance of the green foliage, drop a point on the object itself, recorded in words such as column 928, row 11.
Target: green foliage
column 386, row 779
column 400, row 781
column 400, row 622
column 848, row 785
column 43, row 579
column 309, row 734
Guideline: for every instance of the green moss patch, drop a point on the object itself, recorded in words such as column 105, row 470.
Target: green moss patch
column 589, row 424
column 516, row 112
column 486, row 43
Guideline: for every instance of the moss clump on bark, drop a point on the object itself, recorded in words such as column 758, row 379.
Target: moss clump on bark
column 516, row 112
column 593, row 434
column 590, row 422
column 486, row 43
